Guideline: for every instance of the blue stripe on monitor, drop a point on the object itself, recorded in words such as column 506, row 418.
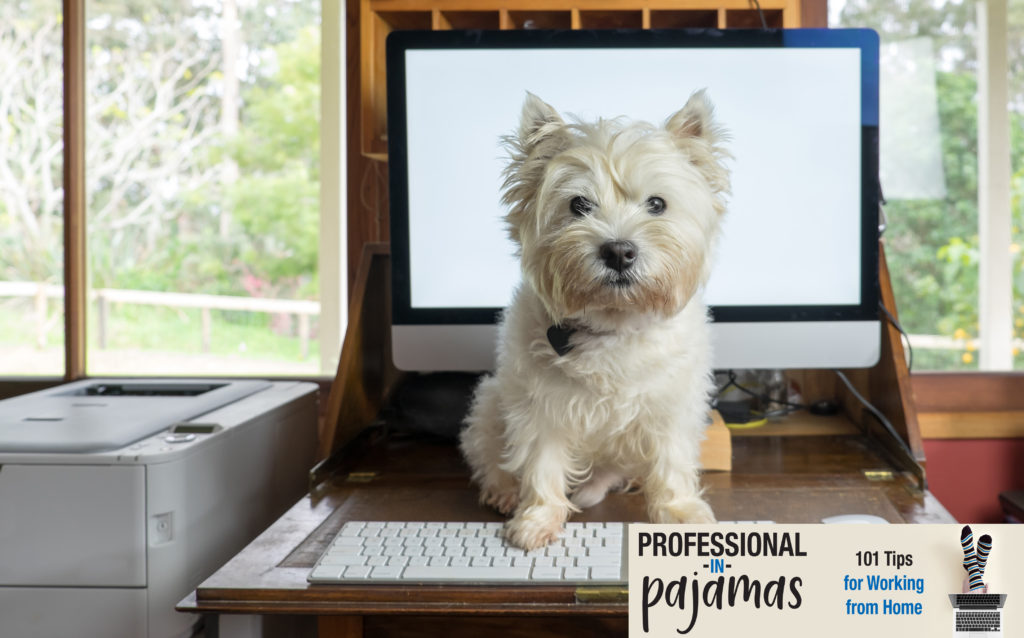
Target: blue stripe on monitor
column 864, row 39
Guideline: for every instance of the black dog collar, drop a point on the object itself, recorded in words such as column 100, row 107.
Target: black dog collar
column 558, row 337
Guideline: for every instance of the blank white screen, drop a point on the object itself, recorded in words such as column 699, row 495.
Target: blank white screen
column 791, row 235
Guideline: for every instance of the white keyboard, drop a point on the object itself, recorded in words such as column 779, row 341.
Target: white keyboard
column 405, row 552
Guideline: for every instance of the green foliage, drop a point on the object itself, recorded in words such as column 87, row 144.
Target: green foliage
column 276, row 199
column 932, row 245
column 928, row 287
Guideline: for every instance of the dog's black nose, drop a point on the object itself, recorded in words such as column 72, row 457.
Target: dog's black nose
column 618, row 255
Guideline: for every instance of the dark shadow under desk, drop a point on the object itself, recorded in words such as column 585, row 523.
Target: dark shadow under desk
column 786, row 478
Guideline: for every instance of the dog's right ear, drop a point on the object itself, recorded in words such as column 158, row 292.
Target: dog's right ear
column 538, row 122
column 541, row 135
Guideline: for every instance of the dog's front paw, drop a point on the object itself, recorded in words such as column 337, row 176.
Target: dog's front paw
column 536, row 526
column 694, row 511
column 505, row 501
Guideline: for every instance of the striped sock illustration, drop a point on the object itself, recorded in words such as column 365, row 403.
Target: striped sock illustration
column 967, row 543
column 984, row 547
column 970, row 560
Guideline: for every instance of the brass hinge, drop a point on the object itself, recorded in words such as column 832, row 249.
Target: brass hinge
column 360, row 477
column 610, row 594
column 878, row 475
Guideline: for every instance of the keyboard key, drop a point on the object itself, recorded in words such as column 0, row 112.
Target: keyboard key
column 345, row 550
column 344, row 559
column 467, row 574
column 386, row 571
column 327, row 571
column 547, row 573
column 606, row 573
column 577, row 573
column 357, row 572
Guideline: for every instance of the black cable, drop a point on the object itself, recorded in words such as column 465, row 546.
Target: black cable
column 761, row 397
column 896, row 324
column 757, row 5
column 875, row 413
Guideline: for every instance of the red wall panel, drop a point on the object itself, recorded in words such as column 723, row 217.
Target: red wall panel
column 967, row 475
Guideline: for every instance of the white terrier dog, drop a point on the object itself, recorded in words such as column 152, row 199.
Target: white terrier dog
column 603, row 371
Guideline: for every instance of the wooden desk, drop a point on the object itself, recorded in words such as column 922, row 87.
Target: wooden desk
column 798, row 471
column 785, row 477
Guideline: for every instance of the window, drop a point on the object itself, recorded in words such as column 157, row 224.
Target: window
column 31, row 189
column 203, row 187
column 936, row 167
column 928, row 170
column 206, row 224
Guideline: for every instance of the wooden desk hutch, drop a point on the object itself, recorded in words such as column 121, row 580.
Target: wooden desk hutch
column 797, row 470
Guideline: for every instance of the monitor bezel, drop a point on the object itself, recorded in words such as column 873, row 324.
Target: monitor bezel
column 866, row 40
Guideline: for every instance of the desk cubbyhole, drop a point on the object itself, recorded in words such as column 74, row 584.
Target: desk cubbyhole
column 611, row 19
column 374, row 111
column 704, row 19
column 469, row 20
column 747, row 19
column 540, row 19
column 405, row 20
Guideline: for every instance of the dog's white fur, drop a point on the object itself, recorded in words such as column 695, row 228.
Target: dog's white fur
column 548, row 435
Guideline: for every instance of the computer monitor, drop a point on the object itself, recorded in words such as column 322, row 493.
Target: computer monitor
column 795, row 279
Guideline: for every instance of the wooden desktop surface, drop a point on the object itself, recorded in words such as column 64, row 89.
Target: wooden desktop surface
column 781, row 473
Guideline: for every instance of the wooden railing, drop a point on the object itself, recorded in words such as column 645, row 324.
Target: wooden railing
column 105, row 297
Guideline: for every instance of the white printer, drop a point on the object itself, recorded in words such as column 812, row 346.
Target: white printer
column 118, row 497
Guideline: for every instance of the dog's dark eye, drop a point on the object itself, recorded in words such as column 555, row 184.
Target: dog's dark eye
column 580, row 206
column 655, row 205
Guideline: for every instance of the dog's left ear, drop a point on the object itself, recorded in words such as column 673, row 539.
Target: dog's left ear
column 695, row 131
column 695, row 120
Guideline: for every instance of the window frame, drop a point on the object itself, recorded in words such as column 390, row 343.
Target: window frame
column 332, row 240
